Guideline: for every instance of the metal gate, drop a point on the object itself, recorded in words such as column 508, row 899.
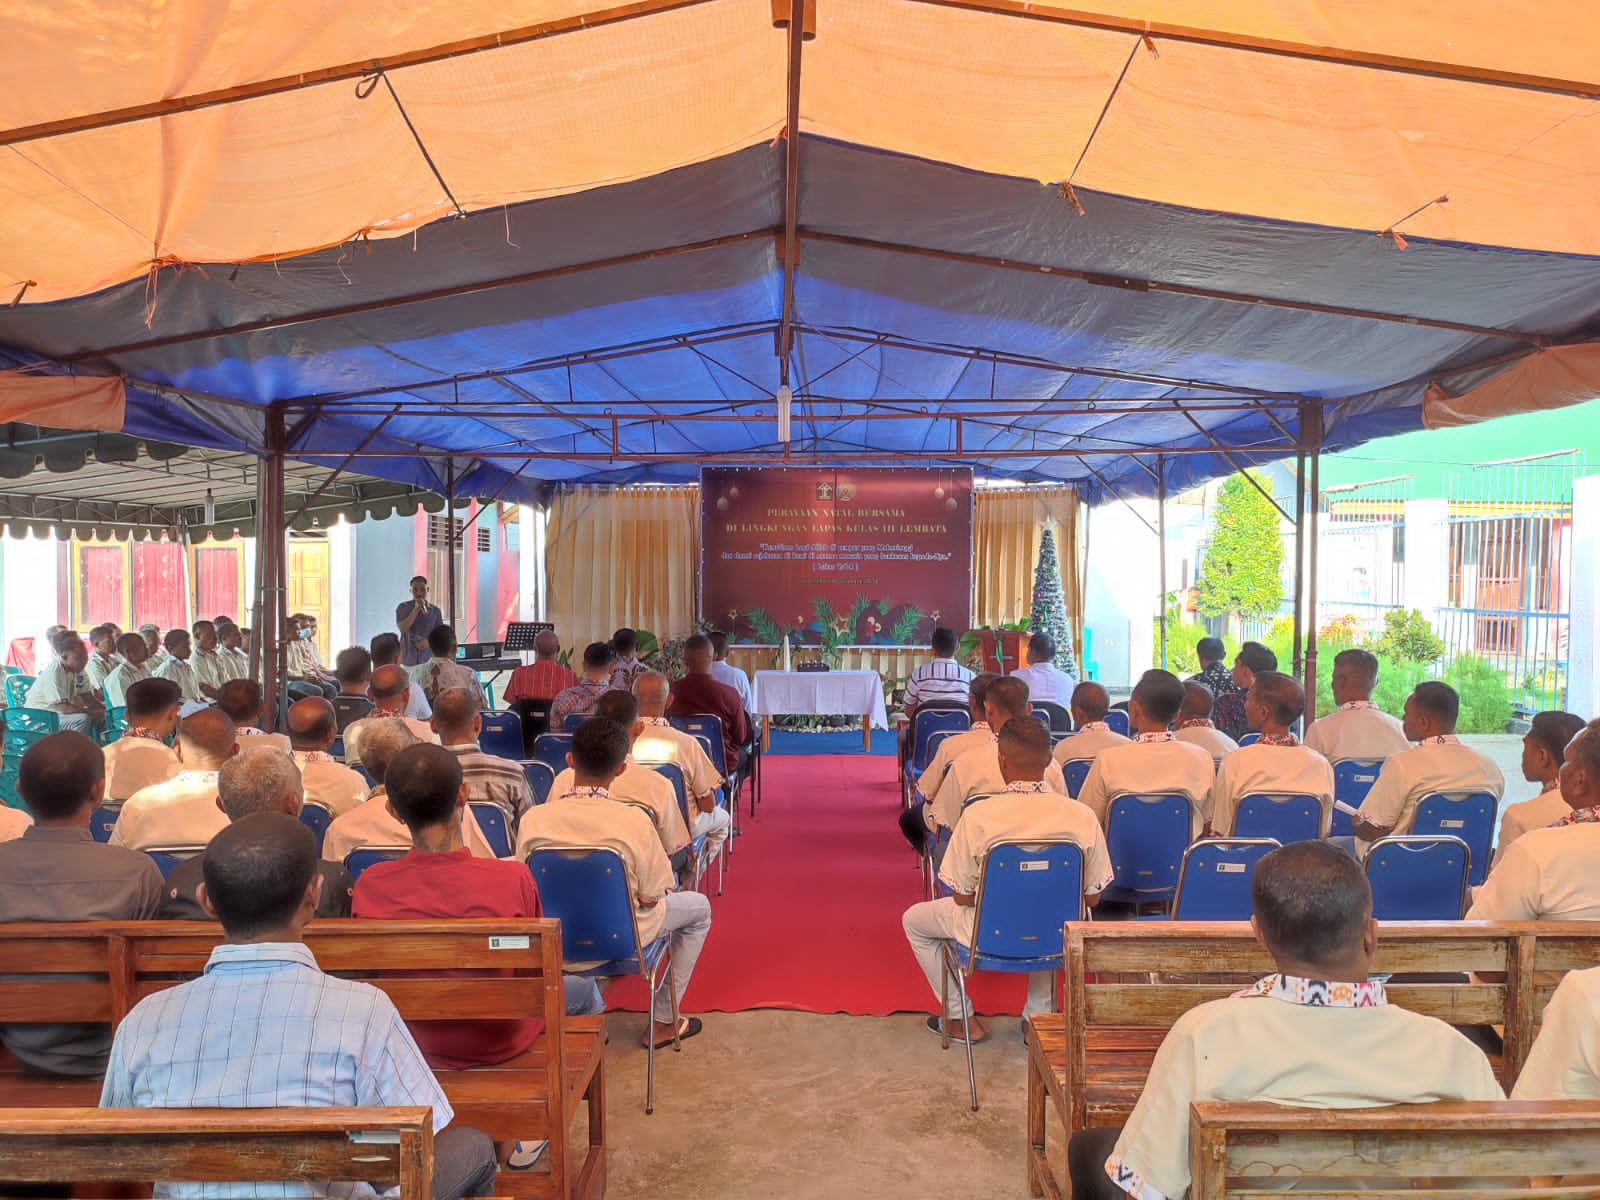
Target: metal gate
column 1361, row 571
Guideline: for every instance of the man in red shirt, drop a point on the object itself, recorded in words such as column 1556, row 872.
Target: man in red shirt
column 699, row 693
column 439, row 877
column 530, row 689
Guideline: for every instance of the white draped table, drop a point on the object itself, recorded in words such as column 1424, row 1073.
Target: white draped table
column 821, row 693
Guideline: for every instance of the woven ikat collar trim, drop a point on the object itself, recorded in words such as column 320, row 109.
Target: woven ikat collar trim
column 1164, row 736
column 1356, row 705
column 1444, row 739
column 1318, row 993
column 1581, row 816
column 1196, row 723
column 139, row 731
column 1024, row 785
column 587, row 793
column 1276, row 739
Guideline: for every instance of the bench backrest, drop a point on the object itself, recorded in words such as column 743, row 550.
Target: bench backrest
column 1384, row 1152
column 381, row 1146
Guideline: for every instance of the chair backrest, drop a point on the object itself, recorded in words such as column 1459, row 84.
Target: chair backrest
column 705, row 746
column 1248, row 739
column 1060, row 717
column 1469, row 816
column 168, row 857
column 551, row 749
column 673, row 774
column 926, row 722
column 1352, row 780
column 17, row 689
column 358, row 861
column 363, row 772
column 350, row 708
column 586, row 889
column 1214, row 880
column 1283, row 817
column 102, row 820
column 1075, row 771
column 501, row 735
column 540, row 778
column 1117, row 722
column 1146, row 836
column 337, row 748
column 316, row 817
column 493, row 825
column 1418, row 878
column 1027, row 892
column 116, row 719
column 711, row 725
column 570, row 725
column 936, row 739
column 35, row 721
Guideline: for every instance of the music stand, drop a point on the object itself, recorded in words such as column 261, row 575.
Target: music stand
column 520, row 634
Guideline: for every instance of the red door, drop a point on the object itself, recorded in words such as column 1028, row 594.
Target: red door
column 158, row 592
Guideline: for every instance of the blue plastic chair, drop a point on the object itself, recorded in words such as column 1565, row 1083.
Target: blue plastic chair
column 364, row 773
column 673, row 774
column 1283, row 817
column 1075, row 771
column 1117, row 722
column 1469, row 816
column 1028, row 891
column 925, row 724
column 1352, row 780
column 540, row 779
column 501, row 735
column 552, row 749
column 1214, row 880
column 570, row 725
column 358, row 861
column 168, row 858
column 1146, row 835
column 935, row 740
column 1418, row 878
column 102, row 820
column 586, row 889
column 16, row 688
column 337, row 749
column 316, row 818
column 1248, row 739
column 493, row 825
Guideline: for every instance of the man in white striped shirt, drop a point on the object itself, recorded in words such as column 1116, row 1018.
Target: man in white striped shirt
column 264, row 1027
column 943, row 681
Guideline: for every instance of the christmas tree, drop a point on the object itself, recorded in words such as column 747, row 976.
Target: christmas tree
column 1049, row 606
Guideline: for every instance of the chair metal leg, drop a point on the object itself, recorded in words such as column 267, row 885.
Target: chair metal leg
column 654, row 981
column 966, row 1007
column 944, row 997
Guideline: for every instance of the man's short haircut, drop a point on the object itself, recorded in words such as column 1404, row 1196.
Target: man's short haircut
column 1198, row 700
column 442, row 642
column 978, row 689
column 389, row 682
column 1160, row 694
column 64, row 640
column 624, row 641
column 381, row 739
column 1026, row 744
column 599, row 746
column 416, row 579
column 650, row 688
column 1311, row 902
column 256, row 780
column 385, row 648
column 151, row 697
column 175, row 638
column 1439, row 701
column 311, row 722
column 545, row 644
column 1361, row 663
column 1041, row 648
column 103, row 630
column 354, row 665
column 257, row 870
column 241, row 700
column 719, row 644
column 455, row 709
column 1282, row 694
column 1553, row 731
column 58, row 773
column 423, row 783
column 618, row 706
column 1209, row 650
column 199, row 625
column 1257, row 657
column 1091, row 699
column 208, row 731
column 1584, row 751
column 123, row 643
column 149, row 627
column 697, row 641
column 597, row 655
column 1009, row 694
column 943, row 643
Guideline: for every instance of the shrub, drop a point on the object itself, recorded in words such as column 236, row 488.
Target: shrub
column 1395, row 682
column 1407, row 637
column 1485, row 699
column 1182, row 637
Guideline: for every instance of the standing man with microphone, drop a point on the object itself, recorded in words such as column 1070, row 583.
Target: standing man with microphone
column 416, row 619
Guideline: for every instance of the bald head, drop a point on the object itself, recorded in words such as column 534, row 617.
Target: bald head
column 1090, row 702
column 389, row 684
column 455, row 717
column 1197, row 702
column 651, row 690
column 546, row 644
column 312, row 724
column 206, row 739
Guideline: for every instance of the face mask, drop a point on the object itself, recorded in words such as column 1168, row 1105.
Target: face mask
column 305, row 633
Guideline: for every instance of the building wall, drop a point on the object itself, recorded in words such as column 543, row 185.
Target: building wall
column 28, row 588
column 383, row 562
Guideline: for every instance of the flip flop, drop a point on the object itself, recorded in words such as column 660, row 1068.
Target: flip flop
column 935, row 1027
column 687, row 1028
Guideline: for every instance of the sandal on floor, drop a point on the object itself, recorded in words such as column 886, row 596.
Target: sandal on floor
column 526, row 1155
column 687, row 1028
column 935, row 1026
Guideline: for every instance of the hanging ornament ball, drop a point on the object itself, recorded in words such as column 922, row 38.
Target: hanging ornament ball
column 722, row 504
column 938, row 493
column 951, row 504
column 734, row 492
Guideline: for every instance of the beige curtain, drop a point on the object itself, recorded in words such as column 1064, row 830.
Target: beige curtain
column 1007, row 523
column 623, row 556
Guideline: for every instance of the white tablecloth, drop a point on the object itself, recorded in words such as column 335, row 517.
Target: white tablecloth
column 819, row 693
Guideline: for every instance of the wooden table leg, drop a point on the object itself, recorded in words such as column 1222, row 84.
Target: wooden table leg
column 766, row 733
column 866, row 733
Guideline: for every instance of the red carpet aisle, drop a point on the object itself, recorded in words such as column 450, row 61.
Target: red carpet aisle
column 811, row 915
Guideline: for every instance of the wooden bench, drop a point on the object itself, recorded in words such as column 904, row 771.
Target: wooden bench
column 1246, row 1149
column 418, row 964
column 382, row 1146
column 1127, row 982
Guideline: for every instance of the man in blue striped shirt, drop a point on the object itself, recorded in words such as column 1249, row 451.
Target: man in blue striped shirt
column 264, row 1027
column 944, row 680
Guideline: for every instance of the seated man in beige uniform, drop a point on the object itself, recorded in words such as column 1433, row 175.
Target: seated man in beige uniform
column 132, row 650
column 1195, row 724
column 175, row 665
column 1318, row 1034
column 141, row 756
column 182, row 812
column 241, row 700
column 1024, row 808
column 659, row 742
column 102, row 655
column 312, row 727
column 1276, row 763
column 1543, row 751
column 1549, row 874
column 390, row 691
column 1154, row 763
column 63, row 688
column 914, row 820
column 1090, row 704
column 977, row 771
column 1358, row 728
column 1438, row 763
column 1564, row 1063
column 490, row 779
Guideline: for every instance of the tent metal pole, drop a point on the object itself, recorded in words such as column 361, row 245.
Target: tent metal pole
column 270, row 558
column 1299, row 553
column 1313, row 498
column 450, row 534
column 1161, row 547
column 791, row 186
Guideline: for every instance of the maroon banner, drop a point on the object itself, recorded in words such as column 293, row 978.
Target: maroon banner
column 835, row 557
